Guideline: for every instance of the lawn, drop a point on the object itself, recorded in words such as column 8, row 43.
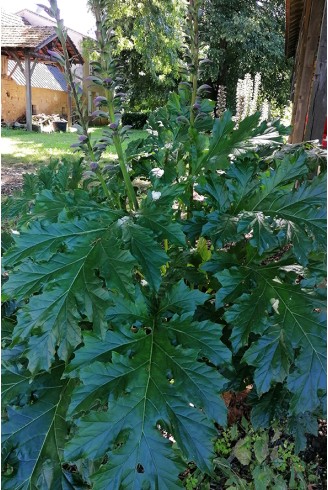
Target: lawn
column 22, row 147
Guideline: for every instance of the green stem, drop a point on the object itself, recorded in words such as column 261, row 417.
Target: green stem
column 166, row 248
column 105, row 59
column 104, row 186
column 129, row 187
column 120, row 154
column 193, row 21
column 194, row 29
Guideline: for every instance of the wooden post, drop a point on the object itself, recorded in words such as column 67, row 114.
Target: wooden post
column 27, row 72
column 305, row 65
column 317, row 112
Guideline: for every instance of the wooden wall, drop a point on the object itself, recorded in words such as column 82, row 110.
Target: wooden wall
column 310, row 76
column 13, row 100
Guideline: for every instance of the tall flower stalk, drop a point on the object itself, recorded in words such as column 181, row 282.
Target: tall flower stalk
column 106, row 67
column 109, row 81
column 221, row 101
column 247, row 96
column 74, row 90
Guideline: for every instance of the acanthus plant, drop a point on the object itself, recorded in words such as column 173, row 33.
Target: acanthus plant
column 195, row 268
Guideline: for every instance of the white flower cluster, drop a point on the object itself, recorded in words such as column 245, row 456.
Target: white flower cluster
column 247, row 96
column 157, row 172
column 221, row 101
column 152, row 132
column 265, row 110
column 254, row 101
column 155, row 195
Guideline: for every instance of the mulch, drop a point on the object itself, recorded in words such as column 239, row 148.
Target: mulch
column 12, row 177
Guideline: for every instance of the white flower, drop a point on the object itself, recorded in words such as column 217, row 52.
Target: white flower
column 155, row 195
column 143, row 282
column 123, row 220
column 152, row 132
column 197, row 197
column 157, row 172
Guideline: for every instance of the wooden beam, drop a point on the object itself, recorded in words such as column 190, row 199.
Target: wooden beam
column 317, row 112
column 300, row 61
column 18, row 61
column 28, row 92
column 13, row 70
column 42, row 57
column 33, row 66
column 306, row 57
column 45, row 42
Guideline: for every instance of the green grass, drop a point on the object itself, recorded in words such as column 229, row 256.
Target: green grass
column 22, row 147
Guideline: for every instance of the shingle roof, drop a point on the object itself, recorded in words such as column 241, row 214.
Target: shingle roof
column 25, row 36
column 8, row 19
column 43, row 76
column 23, row 12
column 37, row 40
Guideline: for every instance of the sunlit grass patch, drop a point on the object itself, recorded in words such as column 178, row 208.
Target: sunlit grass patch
column 22, row 147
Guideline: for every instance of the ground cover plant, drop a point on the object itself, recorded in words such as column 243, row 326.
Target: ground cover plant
column 140, row 292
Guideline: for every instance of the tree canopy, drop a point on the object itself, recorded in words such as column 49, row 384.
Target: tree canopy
column 149, row 38
column 247, row 36
column 238, row 36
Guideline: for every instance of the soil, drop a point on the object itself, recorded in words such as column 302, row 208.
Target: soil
column 12, row 177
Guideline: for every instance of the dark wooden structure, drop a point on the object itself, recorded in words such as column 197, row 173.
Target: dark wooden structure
column 306, row 40
column 28, row 45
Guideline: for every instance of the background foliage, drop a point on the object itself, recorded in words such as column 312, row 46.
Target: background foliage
column 238, row 36
column 247, row 37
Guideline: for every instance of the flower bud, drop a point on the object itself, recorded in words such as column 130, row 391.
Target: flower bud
column 94, row 166
column 99, row 100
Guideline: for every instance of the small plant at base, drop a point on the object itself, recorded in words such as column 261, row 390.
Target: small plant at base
column 260, row 459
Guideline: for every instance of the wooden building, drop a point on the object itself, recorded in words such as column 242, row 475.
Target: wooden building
column 25, row 84
column 306, row 41
column 48, row 91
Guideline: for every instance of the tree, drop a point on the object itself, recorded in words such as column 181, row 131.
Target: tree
column 247, row 36
column 240, row 36
column 149, row 38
